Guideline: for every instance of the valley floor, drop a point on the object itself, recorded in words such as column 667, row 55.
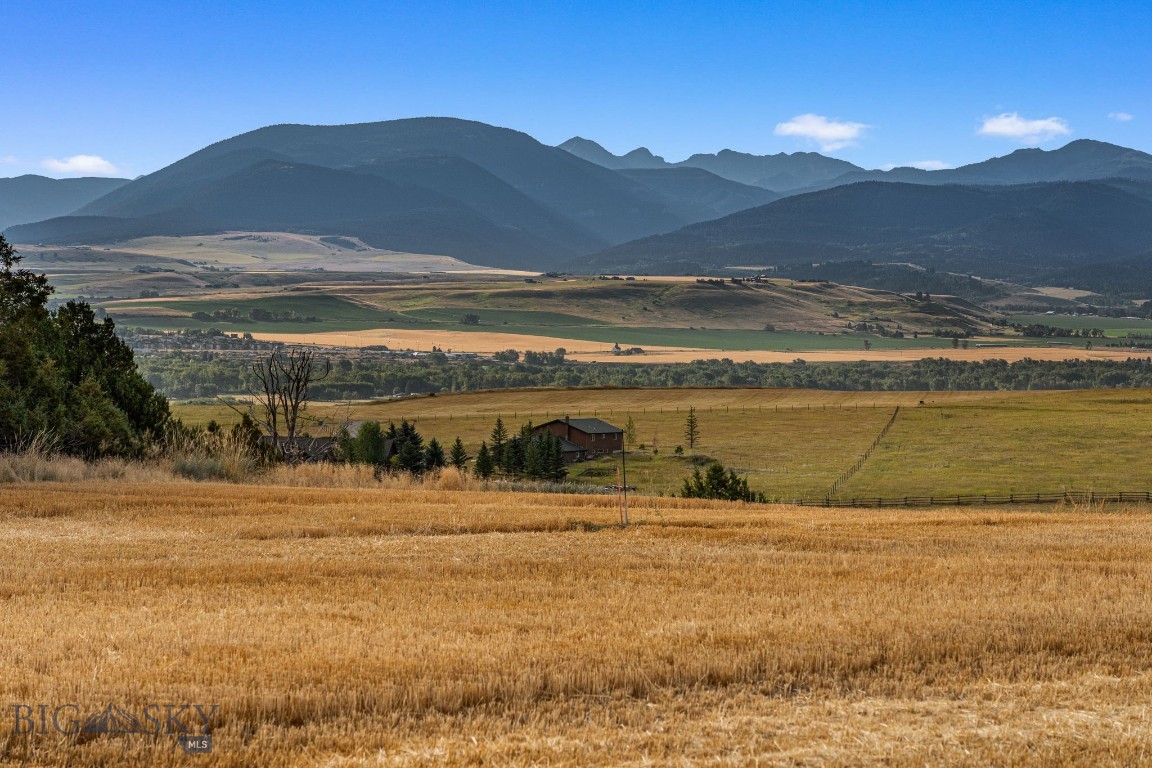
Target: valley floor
column 367, row 627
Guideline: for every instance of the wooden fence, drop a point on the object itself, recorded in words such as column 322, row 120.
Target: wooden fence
column 847, row 474
column 959, row 500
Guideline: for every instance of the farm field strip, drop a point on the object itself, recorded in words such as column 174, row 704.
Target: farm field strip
column 792, row 444
column 582, row 350
column 368, row 627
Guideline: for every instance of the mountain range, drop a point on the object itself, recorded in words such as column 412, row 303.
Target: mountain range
column 1022, row 232
column 431, row 185
column 782, row 173
column 499, row 197
column 34, row 198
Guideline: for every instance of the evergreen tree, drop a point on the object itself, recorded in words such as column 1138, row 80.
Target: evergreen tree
column 499, row 437
column 718, row 483
column 409, row 458
column 484, row 466
column 434, row 457
column 691, row 429
column 536, row 459
column 557, row 469
column 458, row 457
column 513, row 456
column 409, row 449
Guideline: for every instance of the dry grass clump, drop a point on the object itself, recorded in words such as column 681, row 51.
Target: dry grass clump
column 213, row 456
column 427, row 626
column 335, row 475
column 37, row 462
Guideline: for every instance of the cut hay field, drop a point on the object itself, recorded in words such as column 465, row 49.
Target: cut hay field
column 780, row 347
column 434, row 627
column 794, row 443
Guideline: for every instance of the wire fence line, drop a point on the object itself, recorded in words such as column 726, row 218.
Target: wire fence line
column 955, row 500
column 847, row 474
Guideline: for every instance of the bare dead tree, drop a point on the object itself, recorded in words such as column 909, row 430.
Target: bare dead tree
column 281, row 383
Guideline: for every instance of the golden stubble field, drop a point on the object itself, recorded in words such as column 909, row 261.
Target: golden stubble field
column 429, row 626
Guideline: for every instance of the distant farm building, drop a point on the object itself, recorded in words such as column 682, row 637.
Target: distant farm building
column 304, row 449
column 592, row 436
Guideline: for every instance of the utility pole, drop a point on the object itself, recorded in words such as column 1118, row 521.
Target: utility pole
column 624, row 477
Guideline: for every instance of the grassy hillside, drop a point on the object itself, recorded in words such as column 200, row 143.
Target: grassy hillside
column 635, row 312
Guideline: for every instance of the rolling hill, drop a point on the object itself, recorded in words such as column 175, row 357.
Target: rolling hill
column 1017, row 232
column 34, row 198
column 275, row 195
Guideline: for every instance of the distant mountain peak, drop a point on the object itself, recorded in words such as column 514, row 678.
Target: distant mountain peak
column 643, row 153
column 589, row 150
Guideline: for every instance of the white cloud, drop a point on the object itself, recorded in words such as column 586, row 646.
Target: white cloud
column 82, row 165
column 924, row 165
column 1011, row 126
column 9, row 159
column 828, row 134
column 1120, row 117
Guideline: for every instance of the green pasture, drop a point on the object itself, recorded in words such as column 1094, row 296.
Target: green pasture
column 1113, row 327
column 794, row 444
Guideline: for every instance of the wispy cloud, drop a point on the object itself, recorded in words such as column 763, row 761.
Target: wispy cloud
column 1011, row 126
column 82, row 165
column 828, row 134
column 1120, row 117
column 924, row 165
column 8, row 159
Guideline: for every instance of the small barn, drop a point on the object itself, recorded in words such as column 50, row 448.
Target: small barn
column 593, row 436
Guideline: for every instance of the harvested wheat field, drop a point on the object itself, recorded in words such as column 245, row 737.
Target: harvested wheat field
column 488, row 342
column 439, row 624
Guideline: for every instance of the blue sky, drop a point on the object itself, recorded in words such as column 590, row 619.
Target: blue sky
column 129, row 87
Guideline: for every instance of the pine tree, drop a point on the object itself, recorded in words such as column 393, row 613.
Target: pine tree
column 499, row 438
column 434, row 457
column 557, row 469
column 458, row 457
column 484, row 467
column 409, row 449
column 535, row 457
column 717, row 483
column 513, row 456
column 691, row 429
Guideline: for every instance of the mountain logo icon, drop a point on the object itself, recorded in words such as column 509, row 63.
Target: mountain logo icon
column 111, row 720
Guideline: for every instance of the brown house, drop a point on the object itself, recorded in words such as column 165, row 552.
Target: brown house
column 592, row 435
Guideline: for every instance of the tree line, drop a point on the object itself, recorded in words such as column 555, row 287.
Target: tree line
column 66, row 376
column 207, row 374
column 525, row 455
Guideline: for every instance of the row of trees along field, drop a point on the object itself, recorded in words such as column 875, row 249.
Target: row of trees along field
column 525, row 455
column 207, row 374
column 67, row 376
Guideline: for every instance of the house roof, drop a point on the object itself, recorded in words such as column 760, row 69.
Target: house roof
column 567, row 446
column 588, row 426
